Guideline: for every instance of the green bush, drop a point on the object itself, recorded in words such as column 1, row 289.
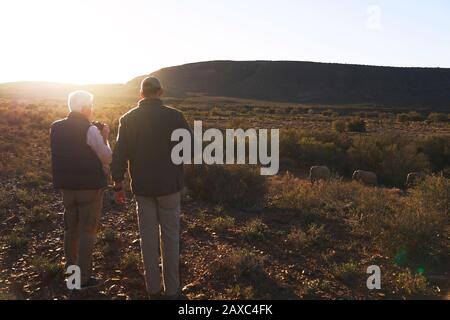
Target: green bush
column 241, row 292
column 410, row 116
column 446, row 172
column 437, row 149
column 289, row 148
column 402, row 117
column 342, row 141
column 415, row 116
column 233, row 186
column 221, row 224
column 356, row 125
column 16, row 241
column 313, row 152
column 339, row 126
column 434, row 194
column 330, row 113
column 349, row 273
column 255, row 230
column 438, row 117
column 389, row 156
column 49, row 271
column 130, row 262
column 386, row 115
column 109, row 235
column 412, row 285
column 215, row 112
column 313, row 148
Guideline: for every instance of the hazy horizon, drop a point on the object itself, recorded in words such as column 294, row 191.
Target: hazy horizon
column 100, row 42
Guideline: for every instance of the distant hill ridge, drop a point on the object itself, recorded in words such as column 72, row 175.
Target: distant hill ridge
column 281, row 81
column 310, row 82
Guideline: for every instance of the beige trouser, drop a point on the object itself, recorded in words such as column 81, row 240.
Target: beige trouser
column 81, row 218
column 159, row 218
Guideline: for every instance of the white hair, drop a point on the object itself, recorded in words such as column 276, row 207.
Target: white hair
column 79, row 99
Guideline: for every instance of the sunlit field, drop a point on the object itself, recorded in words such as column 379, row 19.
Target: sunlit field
column 246, row 236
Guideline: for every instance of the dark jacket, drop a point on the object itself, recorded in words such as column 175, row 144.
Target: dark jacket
column 75, row 165
column 144, row 146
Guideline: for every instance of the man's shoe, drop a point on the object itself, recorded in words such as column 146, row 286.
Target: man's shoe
column 91, row 283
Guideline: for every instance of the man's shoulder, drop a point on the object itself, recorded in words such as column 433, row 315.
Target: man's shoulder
column 136, row 113
column 172, row 111
column 130, row 114
column 58, row 123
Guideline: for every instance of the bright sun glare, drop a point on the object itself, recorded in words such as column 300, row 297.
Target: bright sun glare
column 72, row 42
column 103, row 41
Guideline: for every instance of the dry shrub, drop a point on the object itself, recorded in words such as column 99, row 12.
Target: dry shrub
column 290, row 193
column 412, row 285
column 412, row 229
column 299, row 239
column 415, row 228
column 241, row 265
column 322, row 197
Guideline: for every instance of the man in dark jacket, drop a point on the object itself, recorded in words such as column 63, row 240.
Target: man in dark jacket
column 144, row 147
column 80, row 155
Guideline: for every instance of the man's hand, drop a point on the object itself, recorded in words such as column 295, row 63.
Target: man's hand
column 119, row 193
column 105, row 133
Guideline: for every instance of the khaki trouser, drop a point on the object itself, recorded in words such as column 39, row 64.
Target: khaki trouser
column 159, row 219
column 81, row 218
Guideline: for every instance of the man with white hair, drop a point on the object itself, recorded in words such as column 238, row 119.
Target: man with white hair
column 80, row 151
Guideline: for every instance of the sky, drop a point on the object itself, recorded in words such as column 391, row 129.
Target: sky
column 113, row 41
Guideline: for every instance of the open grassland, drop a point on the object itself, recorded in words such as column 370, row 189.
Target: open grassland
column 243, row 235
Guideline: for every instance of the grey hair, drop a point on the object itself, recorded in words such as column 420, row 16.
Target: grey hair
column 79, row 99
